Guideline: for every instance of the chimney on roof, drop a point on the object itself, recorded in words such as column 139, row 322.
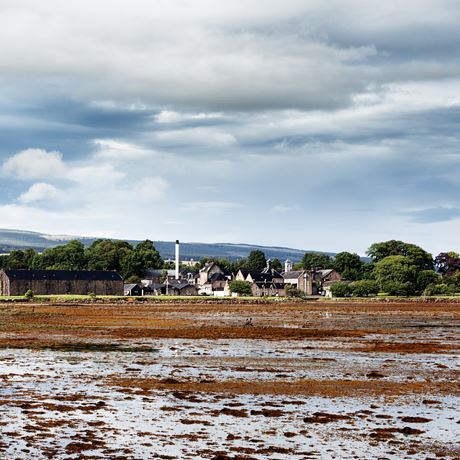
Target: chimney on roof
column 177, row 260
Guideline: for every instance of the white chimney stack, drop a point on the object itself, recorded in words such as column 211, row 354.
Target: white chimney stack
column 177, row 259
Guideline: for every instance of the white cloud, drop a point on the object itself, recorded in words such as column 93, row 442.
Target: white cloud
column 171, row 116
column 39, row 192
column 96, row 176
column 353, row 102
column 99, row 185
column 235, row 55
column 150, row 189
column 281, row 209
column 111, row 149
column 212, row 207
column 196, row 136
column 34, row 164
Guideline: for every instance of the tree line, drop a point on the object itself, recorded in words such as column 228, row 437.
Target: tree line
column 121, row 256
column 400, row 269
column 394, row 267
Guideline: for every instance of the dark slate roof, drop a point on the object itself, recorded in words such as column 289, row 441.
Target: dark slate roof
column 271, row 271
column 207, row 266
column 292, row 274
column 179, row 284
column 63, row 275
column 155, row 286
column 256, row 275
column 269, row 285
column 244, row 272
column 217, row 277
column 154, row 272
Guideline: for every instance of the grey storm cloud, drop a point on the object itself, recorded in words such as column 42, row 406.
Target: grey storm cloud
column 248, row 55
column 433, row 215
column 340, row 114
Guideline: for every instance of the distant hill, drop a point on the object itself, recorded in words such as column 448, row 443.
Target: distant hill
column 20, row 239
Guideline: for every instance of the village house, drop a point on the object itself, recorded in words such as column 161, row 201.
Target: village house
column 157, row 276
column 267, row 282
column 302, row 280
column 179, row 287
column 213, row 280
column 54, row 282
column 310, row 282
column 328, row 276
column 270, row 288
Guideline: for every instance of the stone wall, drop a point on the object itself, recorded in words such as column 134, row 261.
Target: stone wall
column 4, row 284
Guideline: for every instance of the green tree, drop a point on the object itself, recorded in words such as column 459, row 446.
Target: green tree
column 292, row 291
column 276, row 264
column 316, row 260
column 134, row 279
column 70, row 256
column 18, row 259
column 396, row 275
column 256, row 260
column 341, row 289
column 350, row 266
column 132, row 264
column 418, row 256
column 364, row 288
column 368, row 271
column 426, row 278
column 398, row 288
column 149, row 255
column 240, row 287
column 3, row 261
column 107, row 254
column 439, row 289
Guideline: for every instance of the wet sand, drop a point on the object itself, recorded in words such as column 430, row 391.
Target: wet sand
column 307, row 380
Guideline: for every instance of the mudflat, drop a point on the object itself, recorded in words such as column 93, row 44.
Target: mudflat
column 182, row 380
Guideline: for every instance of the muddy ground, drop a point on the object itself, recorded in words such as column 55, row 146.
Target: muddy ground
column 317, row 380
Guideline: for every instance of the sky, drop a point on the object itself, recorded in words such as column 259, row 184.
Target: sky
column 315, row 125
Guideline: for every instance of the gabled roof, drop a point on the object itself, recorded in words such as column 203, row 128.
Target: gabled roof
column 130, row 287
column 294, row 274
column 324, row 273
column 207, row 266
column 179, row 284
column 270, row 285
column 217, row 277
column 264, row 275
column 226, row 272
column 272, row 272
column 63, row 275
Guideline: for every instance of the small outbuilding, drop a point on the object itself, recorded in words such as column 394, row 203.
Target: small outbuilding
column 133, row 289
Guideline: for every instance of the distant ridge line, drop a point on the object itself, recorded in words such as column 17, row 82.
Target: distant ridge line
column 25, row 239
